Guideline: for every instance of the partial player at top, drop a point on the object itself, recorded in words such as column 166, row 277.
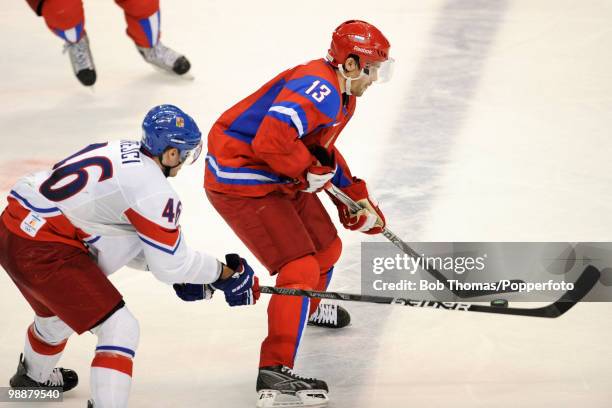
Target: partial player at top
column 66, row 19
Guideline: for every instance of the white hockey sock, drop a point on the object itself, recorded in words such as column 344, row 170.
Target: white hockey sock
column 42, row 351
column 110, row 387
column 111, row 368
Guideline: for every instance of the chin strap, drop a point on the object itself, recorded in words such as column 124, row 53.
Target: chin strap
column 347, row 84
column 166, row 169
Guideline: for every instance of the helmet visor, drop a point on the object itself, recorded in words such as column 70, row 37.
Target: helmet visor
column 380, row 72
column 190, row 156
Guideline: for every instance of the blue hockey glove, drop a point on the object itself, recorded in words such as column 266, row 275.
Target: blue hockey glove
column 242, row 288
column 191, row 292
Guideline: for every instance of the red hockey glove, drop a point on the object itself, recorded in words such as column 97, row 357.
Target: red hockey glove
column 317, row 177
column 370, row 219
column 321, row 172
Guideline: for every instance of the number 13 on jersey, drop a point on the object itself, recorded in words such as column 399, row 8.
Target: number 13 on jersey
column 321, row 93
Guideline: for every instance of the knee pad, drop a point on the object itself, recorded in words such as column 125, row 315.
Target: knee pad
column 51, row 330
column 118, row 334
column 301, row 273
column 328, row 256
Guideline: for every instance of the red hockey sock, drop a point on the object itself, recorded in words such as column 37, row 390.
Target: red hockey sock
column 143, row 21
column 288, row 315
column 326, row 259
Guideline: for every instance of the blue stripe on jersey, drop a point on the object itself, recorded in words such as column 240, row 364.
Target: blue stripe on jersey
column 92, row 240
column 161, row 248
column 241, row 175
column 239, row 136
column 340, row 179
column 31, row 207
column 117, row 348
column 323, row 94
column 245, row 126
column 292, row 114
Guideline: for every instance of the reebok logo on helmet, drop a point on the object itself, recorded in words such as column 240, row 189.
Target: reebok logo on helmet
column 364, row 50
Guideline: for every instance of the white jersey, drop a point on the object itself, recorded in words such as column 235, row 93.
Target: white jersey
column 119, row 204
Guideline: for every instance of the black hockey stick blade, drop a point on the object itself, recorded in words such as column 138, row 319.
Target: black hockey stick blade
column 586, row 281
column 583, row 285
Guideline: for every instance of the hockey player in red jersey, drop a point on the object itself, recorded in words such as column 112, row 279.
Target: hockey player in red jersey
column 65, row 229
column 267, row 158
column 67, row 20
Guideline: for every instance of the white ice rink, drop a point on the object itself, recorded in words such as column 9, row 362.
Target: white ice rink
column 496, row 127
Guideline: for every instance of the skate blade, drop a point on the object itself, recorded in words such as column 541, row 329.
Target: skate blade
column 187, row 76
column 306, row 399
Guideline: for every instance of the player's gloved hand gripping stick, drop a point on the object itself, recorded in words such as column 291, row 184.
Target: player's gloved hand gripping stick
column 356, row 209
column 242, row 288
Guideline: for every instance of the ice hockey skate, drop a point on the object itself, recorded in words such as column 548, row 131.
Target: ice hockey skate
column 165, row 58
column 82, row 61
column 60, row 377
column 331, row 316
column 279, row 386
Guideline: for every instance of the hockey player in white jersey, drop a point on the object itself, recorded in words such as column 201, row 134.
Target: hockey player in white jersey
column 66, row 229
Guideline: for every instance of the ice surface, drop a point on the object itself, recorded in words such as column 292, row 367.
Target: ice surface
column 496, row 126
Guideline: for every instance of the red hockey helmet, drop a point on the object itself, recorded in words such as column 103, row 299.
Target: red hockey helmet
column 359, row 38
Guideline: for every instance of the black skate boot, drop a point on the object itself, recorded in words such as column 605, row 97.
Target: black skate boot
column 82, row 61
column 60, row 377
column 278, row 386
column 331, row 316
column 165, row 58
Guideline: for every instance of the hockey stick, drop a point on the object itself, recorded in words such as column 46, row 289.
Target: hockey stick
column 340, row 195
column 583, row 285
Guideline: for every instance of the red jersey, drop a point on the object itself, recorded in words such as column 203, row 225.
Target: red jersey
column 262, row 144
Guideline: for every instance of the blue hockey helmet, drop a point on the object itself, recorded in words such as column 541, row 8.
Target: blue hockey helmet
column 167, row 126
